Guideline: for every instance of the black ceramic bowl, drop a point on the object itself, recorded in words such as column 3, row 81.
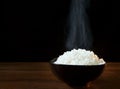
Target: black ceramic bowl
column 76, row 75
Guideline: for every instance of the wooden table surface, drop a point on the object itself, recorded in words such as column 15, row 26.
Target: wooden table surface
column 38, row 75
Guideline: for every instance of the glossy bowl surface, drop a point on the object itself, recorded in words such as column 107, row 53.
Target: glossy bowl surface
column 76, row 75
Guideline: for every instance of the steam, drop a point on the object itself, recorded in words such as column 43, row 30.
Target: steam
column 78, row 34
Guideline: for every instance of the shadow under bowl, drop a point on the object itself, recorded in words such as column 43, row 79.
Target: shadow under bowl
column 76, row 75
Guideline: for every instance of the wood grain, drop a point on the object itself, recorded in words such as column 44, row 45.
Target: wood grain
column 38, row 75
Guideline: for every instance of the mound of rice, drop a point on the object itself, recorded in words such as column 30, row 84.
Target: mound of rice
column 79, row 57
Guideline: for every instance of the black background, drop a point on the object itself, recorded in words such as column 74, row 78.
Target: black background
column 34, row 30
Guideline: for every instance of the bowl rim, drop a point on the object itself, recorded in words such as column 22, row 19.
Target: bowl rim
column 54, row 59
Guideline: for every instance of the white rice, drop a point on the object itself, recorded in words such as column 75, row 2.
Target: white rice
column 79, row 57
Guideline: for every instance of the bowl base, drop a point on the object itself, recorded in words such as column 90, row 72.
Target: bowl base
column 82, row 86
